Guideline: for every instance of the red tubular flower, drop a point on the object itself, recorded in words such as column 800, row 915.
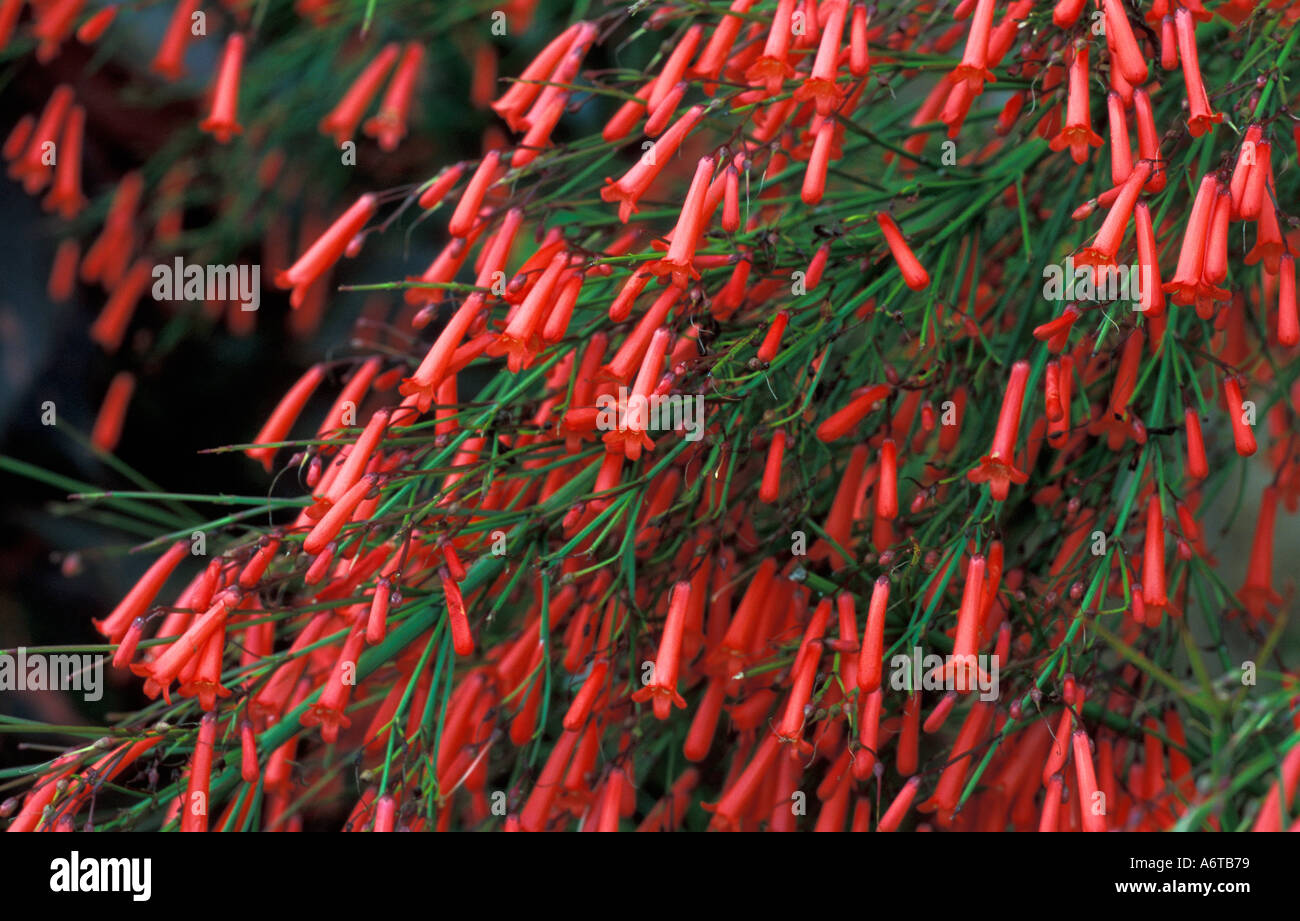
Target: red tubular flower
column 1214, row 269
column 223, row 121
column 1282, row 793
column 1117, row 421
column 467, row 208
column 1066, row 12
column 1148, row 139
column 1186, row 283
column 1153, row 558
column 110, row 326
column 93, row 29
column 462, row 640
column 377, row 619
column 1052, row 392
column 441, row 185
column 339, row 514
column 814, row 177
column 771, row 486
column 899, row 807
column 1058, row 430
column 662, row 687
column 1243, row 435
column 1077, row 133
column 718, row 48
column 843, row 421
column 18, row 136
column 1121, row 157
column 31, row 166
column 170, row 59
column 629, row 438
column 205, row 681
column 887, row 487
column 1257, row 593
column 108, row 424
column 1288, row 324
column 679, row 261
column 139, row 598
column 194, row 815
column 1243, row 168
column 633, row 184
column 1269, row 245
column 772, row 340
column 65, row 196
column 342, row 120
column 163, row 670
column 1093, row 821
column 10, row 11
column 773, row 67
column 735, row 800
column 662, row 115
column 521, row 341
column 914, row 274
column 973, row 69
column 327, row 250
column 285, row 414
column 517, row 99
column 63, row 273
column 584, row 701
column 962, row 666
column 256, row 566
column 820, row 86
column 1197, row 466
column 859, row 53
column 125, row 651
column 1200, row 117
column 385, row 814
column 1127, row 53
column 1105, row 246
column 871, row 657
column 1152, row 301
column 997, row 468
column 537, row 808
column 358, row 459
column 670, row 75
column 1253, row 198
column 327, row 711
column 1057, row 332
column 388, row 127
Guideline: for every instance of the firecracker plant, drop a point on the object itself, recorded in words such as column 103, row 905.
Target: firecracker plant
column 807, row 415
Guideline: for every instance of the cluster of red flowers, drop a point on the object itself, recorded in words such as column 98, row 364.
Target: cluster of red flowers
column 519, row 617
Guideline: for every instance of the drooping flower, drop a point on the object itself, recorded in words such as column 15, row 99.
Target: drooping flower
column 170, row 59
column 341, row 122
column 388, row 127
column 65, row 196
column 1200, row 117
column 1257, row 594
column 914, row 274
column 327, row 250
column 679, row 262
column 1077, row 134
column 997, row 468
column 662, row 686
column 223, row 120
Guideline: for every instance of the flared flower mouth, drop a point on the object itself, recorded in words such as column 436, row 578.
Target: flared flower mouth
column 999, row 474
